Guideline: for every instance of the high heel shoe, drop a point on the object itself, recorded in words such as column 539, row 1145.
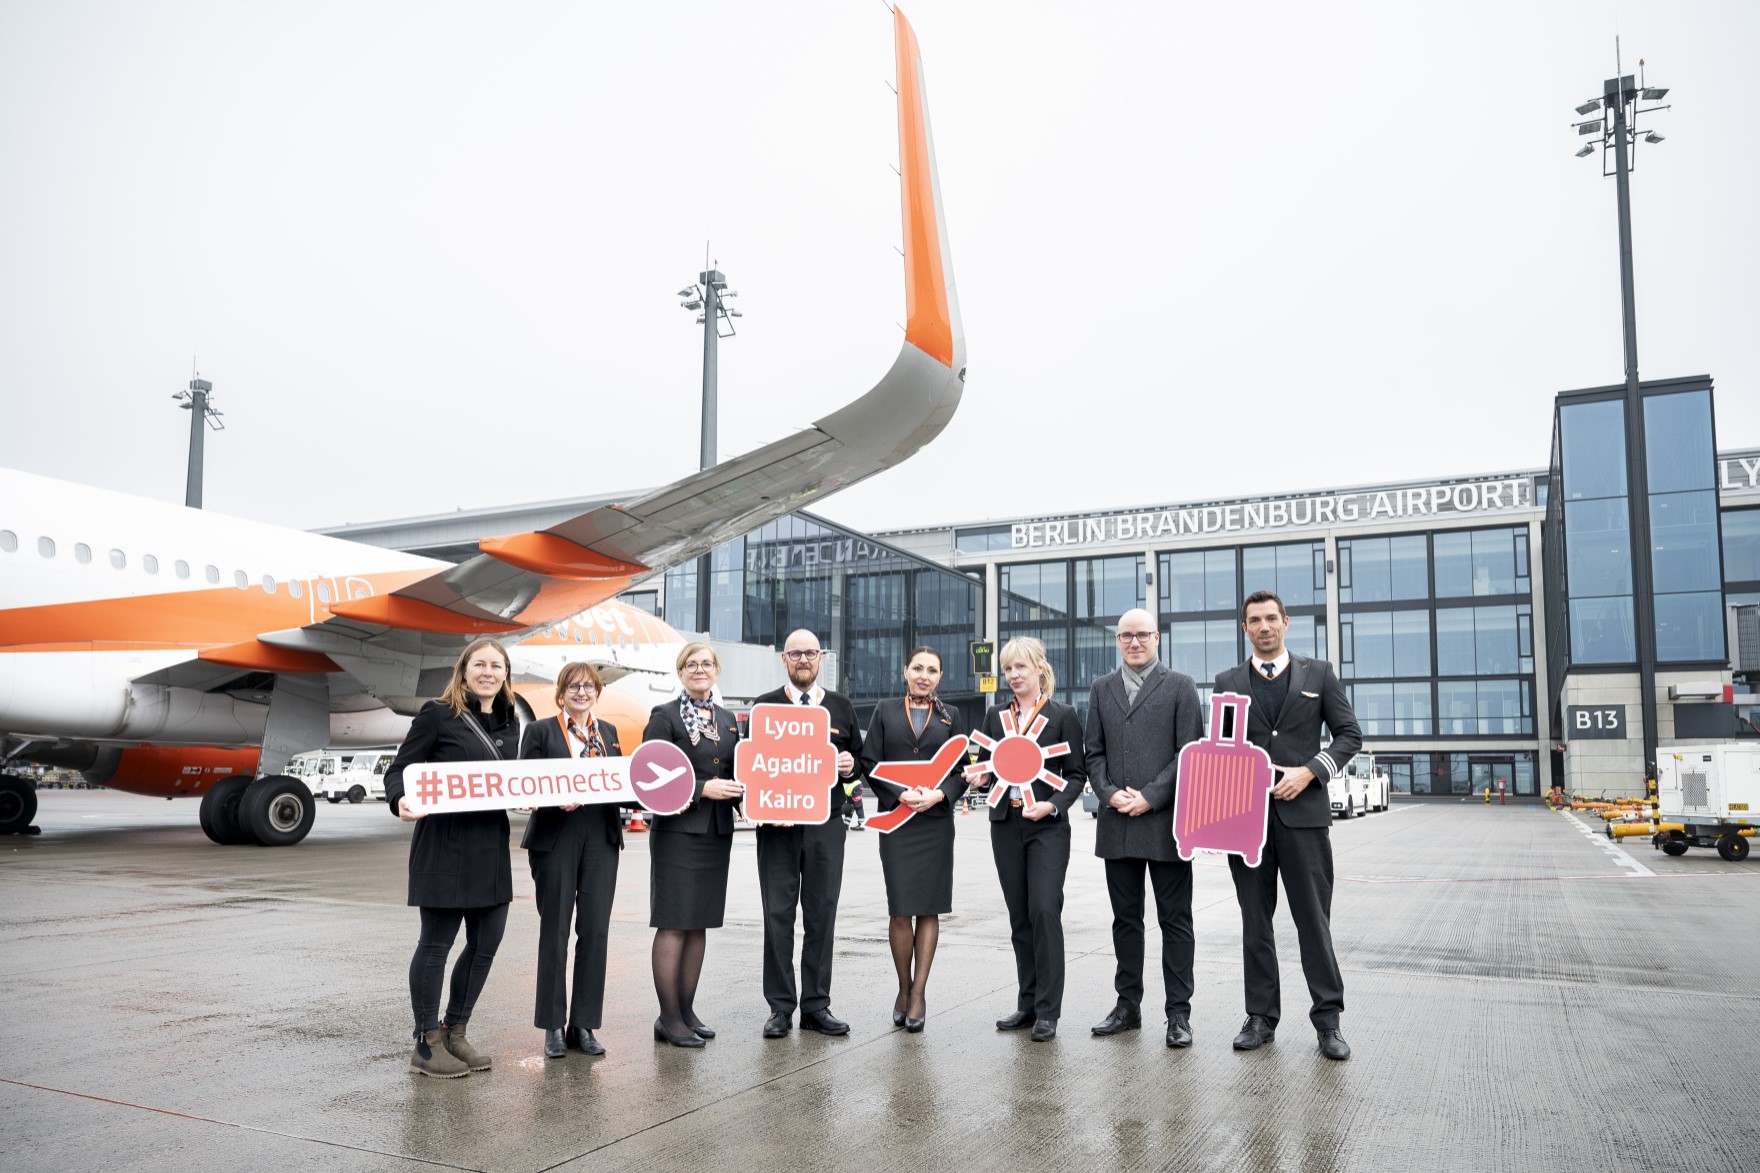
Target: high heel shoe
column 914, row 1026
column 688, row 1039
column 701, row 1031
column 897, row 1014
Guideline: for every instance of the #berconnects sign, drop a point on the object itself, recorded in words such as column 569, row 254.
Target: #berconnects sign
column 657, row 776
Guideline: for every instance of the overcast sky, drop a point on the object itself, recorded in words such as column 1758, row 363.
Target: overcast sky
column 426, row 252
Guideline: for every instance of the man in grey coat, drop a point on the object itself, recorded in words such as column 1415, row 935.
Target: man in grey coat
column 1139, row 717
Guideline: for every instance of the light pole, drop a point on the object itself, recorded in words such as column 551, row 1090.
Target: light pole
column 202, row 416
column 1619, row 134
column 710, row 296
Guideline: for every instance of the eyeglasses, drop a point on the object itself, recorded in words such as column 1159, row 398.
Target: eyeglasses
column 700, row 666
column 802, row 657
column 581, row 688
column 1136, row 637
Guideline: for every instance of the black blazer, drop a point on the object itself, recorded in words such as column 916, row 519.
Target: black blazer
column 846, row 735
column 890, row 739
column 709, row 759
column 1061, row 724
column 1315, row 698
column 1137, row 745
column 456, row 860
column 545, row 739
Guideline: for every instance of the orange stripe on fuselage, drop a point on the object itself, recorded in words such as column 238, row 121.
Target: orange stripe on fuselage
column 928, row 324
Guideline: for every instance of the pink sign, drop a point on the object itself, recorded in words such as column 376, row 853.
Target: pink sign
column 1018, row 759
column 1224, row 793
column 913, row 776
column 662, row 777
column 787, row 765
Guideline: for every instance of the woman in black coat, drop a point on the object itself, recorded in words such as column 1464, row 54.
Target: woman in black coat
column 573, row 850
column 688, row 852
column 917, row 858
column 1029, row 830
column 460, row 869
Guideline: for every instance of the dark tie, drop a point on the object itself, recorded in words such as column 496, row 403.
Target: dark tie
column 806, row 698
column 1269, row 669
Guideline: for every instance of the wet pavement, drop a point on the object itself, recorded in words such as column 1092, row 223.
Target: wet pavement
column 1520, row 995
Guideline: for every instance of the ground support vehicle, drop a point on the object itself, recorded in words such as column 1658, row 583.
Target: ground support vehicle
column 1707, row 796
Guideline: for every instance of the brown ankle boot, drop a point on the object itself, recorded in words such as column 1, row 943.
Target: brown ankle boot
column 432, row 1058
column 453, row 1037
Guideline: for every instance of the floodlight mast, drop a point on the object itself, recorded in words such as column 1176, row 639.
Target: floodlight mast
column 1620, row 96
column 710, row 295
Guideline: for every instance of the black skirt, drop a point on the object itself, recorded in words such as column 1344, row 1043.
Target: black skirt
column 687, row 879
column 917, row 860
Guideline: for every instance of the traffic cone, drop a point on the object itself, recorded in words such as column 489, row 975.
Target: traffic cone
column 636, row 823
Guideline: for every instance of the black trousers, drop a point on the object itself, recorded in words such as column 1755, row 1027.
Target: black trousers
column 1304, row 857
column 575, row 880
column 483, row 928
column 804, row 866
column 1032, row 859
column 1172, row 881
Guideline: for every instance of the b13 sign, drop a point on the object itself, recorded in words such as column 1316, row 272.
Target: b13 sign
column 1595, row 722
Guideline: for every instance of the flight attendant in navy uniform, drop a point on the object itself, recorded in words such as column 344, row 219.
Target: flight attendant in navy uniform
column 917, row 858
column 1029, row 837
column 573, row 851
column 688, row 852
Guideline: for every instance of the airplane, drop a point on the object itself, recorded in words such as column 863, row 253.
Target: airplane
column 175, row 652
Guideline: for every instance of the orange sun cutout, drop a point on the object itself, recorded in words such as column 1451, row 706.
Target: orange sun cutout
column 1018, row 759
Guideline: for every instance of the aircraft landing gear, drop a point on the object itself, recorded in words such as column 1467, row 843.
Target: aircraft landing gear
column 18, row 806
column 278, row 810
column 220, row 813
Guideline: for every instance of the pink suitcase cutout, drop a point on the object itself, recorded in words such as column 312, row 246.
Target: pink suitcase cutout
column 1224, row 793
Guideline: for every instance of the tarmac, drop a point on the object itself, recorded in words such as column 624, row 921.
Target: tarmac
column 1521, row 994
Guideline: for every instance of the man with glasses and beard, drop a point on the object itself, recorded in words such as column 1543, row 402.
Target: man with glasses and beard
column 804, row 865
column 1139, row 718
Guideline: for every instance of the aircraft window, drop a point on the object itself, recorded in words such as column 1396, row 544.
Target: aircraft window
column 240, row 579
column 268, row 584
column 295, row 588
column 8, row 540
column 182, row 568
column 323, row 592
column 119, row 560
column 212, row 573
column 149, row 564
column 46, row 547
column 82, row 552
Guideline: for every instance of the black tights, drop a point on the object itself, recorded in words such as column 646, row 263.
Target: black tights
column 678, row 963
column 483, row 928
column 913, row 945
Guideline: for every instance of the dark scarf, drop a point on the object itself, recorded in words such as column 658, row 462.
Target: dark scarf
column 595, row 744
column 698, row 718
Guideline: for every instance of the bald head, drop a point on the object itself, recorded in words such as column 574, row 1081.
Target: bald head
column 1138, row 639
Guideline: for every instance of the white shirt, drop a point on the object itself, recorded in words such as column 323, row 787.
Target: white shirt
column 817, row 695
column 1277, row 665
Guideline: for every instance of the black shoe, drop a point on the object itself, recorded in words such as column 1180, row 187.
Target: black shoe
column 1019, row 1020
column 1256, row 1031
column 1333, row 1046
column 1124, row 1017
column 897, row 1014
column 776, row 1026
column 555, row 1046
column 1044, row 1030
column 703, row 1032
column 1179, row 1031
column 688, row 1039
column 914, row 1026
column 823, row 1021
column 582, row 1040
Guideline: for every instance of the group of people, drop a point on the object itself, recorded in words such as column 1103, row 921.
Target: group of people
column 1139, row 718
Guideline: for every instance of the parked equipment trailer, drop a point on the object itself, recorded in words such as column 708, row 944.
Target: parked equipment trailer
column 1708, row 796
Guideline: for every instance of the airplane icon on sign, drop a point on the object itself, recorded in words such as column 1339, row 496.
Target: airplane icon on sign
column 661, row 776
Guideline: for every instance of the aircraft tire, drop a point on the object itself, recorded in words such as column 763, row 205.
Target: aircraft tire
column 221, row 820
column 18, row 805
column 277, row 810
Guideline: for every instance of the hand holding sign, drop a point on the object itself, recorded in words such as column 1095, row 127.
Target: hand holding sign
column 1221, row 803
column 914, row 776
column 788, row 765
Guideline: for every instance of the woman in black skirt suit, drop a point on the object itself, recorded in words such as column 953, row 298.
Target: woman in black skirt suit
column 917, row 858
column 572, row 850
column 688, row 852
column 1029, row 835
column 460, row 869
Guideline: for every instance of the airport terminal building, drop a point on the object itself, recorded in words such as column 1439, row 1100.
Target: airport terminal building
column 1483, row 625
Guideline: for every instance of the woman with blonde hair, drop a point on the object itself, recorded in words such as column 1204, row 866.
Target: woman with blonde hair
column 460, row 870
column 1029, row 830
column 688, row 852
column 573, row 851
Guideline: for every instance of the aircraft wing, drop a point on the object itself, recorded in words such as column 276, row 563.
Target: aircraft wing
column 522, row 582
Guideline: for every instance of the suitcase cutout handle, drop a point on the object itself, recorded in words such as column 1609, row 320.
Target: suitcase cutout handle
column 1228, row 718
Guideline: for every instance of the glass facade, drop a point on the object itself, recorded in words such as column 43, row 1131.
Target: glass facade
column 1072, row 606
column 1200, row 598
column 1436, row 633
column 867, row 601
column 1597, row 533
column 1686, row 563
column 1460, row 773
